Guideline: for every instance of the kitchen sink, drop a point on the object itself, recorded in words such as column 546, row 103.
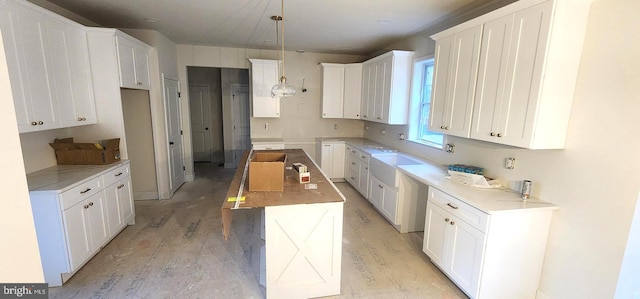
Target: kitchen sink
column 383, row 166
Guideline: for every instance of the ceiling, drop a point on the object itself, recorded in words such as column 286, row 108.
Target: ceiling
column 359, row 27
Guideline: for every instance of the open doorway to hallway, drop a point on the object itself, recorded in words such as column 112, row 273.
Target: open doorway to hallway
column 219, row 110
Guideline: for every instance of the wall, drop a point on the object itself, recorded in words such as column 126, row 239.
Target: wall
column 300, row 115
column 19, row 253
column 136, row 112
column 595, row 179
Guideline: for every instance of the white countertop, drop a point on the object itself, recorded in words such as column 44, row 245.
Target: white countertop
column 63, row 177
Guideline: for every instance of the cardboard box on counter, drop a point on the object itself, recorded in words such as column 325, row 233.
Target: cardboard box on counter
column 70, row 153
column 266, row 171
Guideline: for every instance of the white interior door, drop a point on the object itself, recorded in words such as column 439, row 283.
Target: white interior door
column 174, row 133
column 200, row 106
column 240, row 120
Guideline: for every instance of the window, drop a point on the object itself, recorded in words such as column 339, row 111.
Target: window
column 421, row 103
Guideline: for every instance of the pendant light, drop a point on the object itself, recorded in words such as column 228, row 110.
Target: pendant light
column 282, row 89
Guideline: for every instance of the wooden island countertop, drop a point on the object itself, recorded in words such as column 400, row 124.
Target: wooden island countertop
column 294, row 193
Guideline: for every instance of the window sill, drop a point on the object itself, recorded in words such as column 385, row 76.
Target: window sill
column 429, row 144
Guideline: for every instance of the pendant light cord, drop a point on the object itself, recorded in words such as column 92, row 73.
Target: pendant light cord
column 282, row 29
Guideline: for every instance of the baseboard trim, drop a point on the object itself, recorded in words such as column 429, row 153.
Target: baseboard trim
column 145, row 195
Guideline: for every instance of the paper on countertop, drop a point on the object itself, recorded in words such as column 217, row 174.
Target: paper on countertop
column 473, row 180
column 311, row 186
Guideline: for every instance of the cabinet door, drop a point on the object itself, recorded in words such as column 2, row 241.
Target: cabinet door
column 364, row 182
column 326, row 158
column 337, row 160
column 383, row 100
column 97, row 220
column 524, row 74
column 39, row 104
column 332, row 90
column 77, row 233
column 376, row 192
column 113, row 209
column 435, row 234
column 264, row 75
column 141, row 60
column 125, row 200
column 467, row 249
column 352, row 90
column 389, row 206
column 492, row 70
column 68, row 57
column 366, row 91
column 455, row 73
column 126, row 62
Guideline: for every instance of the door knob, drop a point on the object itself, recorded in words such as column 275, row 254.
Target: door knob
column 206, row 129
column 170, row 142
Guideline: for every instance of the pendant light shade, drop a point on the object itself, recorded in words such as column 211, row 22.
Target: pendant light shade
column 282, row 89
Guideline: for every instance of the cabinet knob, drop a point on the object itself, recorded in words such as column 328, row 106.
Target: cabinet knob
column 40, row 123
column 379, row 117
column 380, row 186
column 121, row 186
column 353, row 163
column 499, row 134
column 446, row 219
column 91, row 204
column 364, row 116
column 34, row 123
column 492, row 134
column 353, row 179
column 442, row 127
column 452, row 222
column 86, row 206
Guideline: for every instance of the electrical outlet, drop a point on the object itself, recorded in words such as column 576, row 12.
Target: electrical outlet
column 335, row 126
column 510, row 163
column 383, row 131
column 449, row 148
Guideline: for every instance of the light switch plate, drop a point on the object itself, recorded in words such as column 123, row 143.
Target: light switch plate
column 510, row 163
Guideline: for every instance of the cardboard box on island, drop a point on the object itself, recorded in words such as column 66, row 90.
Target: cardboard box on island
column 102, row 153
column 266, row 171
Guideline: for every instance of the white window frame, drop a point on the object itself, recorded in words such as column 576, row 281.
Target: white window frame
column 414, row 106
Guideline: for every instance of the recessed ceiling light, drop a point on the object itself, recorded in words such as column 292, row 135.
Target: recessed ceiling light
column 384, row 22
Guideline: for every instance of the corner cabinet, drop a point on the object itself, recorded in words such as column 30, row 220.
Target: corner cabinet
column 77, row 219
column 526, row 74
column 386, row 81
column 488, row 255
column 48, row 61
column 133, row 62
column 264, row 75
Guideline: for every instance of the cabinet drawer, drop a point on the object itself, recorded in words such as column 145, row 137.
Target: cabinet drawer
column 80, row 192
column 456, row 207
column 360, row 155
column 353, row 177
column 114, row 175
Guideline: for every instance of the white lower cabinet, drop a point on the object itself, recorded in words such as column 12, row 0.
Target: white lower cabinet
column 357, row 169
column 332, row 158
column 497, row 255
column 385, row 199
column 73, row 223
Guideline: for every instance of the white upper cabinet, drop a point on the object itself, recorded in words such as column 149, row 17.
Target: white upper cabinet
column 332, row 90
column 264, row 75
column 48, row 60
column 23, row 33
column 352, row 90
column 133, row 60
column 71, row 73
column 341, row 90
column 385, row 87
column 527, row 70
column 455, row 71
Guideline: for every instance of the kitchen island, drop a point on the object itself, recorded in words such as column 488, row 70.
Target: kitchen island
column 302, row 230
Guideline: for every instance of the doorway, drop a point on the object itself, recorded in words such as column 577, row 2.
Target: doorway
column 219, row 110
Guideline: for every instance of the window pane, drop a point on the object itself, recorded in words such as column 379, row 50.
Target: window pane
column 420, row 124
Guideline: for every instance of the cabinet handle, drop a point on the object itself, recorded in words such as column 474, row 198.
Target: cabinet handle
column 40, row 123
column 352, row 163
column 492, row 134
column 362, row 157
column 452, row 222
column 380, row 186
column 499, row 134
column 85, row 191
column 34, row 123
column 353, row 152
column 121, row 186
column 86, row 206
column 364, row 116
column 170, row 142
column 446, row 219
column 452, row 206
column 119, row 174
column 366, row 168
column 139, row 83
column 442, row 127
column 379, row 117
column 352, row 178
column 327, row 145
column 82, row 118
column 91, row 204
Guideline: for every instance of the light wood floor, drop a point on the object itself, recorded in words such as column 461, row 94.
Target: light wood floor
column 176, row 250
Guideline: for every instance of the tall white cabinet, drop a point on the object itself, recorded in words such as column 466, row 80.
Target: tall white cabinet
column 521, row 84
column 264, row 75
column 341, row 90
column 48, row 61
